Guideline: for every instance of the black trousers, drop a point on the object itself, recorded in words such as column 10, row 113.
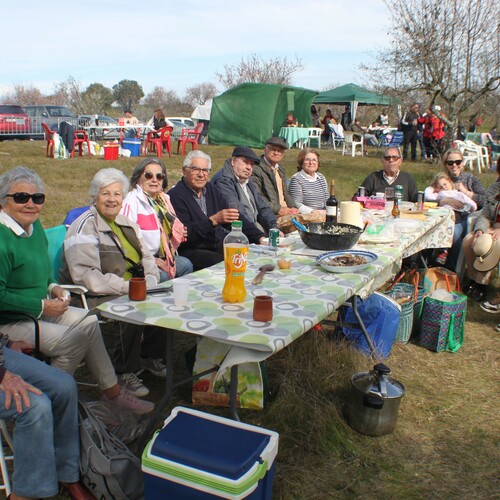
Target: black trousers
column 202, row 258
column 410, row 138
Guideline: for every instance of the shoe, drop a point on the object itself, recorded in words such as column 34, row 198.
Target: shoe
column 155, row 366
column 492, row 305
column 77, row 491
column 441, row 258
column 129, row 402
column 497, row 328
column 133, row 384
column 479, row 293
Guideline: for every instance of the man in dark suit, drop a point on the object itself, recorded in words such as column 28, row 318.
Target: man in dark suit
column 205, row 212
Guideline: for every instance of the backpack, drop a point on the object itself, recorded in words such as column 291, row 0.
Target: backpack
column 107, row 467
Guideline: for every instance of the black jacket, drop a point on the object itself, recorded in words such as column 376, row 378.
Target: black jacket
column 201, row 233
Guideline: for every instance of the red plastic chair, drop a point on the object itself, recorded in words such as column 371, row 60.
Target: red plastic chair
column 189, row 135
column 49, row 137
column 80, row 138
column 164, row 138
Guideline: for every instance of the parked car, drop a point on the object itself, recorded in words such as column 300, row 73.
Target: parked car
column 179, row 122
column 51, row 115
column 102, row 121
column 14, row 122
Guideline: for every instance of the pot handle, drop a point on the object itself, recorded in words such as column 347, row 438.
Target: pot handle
column 382, row 370
column 373, row 401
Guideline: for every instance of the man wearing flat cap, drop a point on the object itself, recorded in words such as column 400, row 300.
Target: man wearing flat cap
column 270, row 179
column 233, row 181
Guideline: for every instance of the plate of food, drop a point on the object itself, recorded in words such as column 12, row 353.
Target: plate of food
column 346, row 261
column 283, row 242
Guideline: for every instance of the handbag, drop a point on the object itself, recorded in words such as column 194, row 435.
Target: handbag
column 107, row 467
column 442, row 323
column 436, row 278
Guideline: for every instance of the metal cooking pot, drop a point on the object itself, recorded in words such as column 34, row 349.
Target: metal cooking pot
column 373, row 403
column 318, row 237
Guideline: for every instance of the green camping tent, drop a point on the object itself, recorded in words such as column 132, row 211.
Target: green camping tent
column 351, row 94
column 250, row 113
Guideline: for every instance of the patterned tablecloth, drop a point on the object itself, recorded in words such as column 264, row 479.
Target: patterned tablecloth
column 303, row 295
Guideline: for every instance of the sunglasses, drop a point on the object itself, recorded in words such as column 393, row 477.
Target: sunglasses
column 22, row 198
column 450, row 163
column 390, row 157
column 159, row 177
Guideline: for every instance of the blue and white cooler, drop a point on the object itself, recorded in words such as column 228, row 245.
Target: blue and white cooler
column 201, row 456
column 133, row 145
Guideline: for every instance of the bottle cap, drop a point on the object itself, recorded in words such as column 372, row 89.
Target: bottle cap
column 237, row 224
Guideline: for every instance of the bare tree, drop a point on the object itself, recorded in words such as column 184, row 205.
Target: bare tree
column 279, row 70
column 168, row 100
column 24, row 95
column 199, row 94
column 445, row 51
column 69, row 93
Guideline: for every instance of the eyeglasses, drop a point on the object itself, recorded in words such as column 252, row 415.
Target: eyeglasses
column 22, row 198
column 159, row 176
column 390, row 157
column 198, row 170
column 314, row 160
column 450, row 163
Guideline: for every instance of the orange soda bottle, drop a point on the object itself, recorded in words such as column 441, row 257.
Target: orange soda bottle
column 235, row 260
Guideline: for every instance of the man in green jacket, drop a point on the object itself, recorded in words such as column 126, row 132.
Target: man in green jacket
column 270, row 180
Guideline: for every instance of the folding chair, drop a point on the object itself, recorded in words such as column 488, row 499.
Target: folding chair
column 5, row 436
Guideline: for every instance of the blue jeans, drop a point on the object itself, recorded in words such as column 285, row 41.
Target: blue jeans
column 459, row 231
column 183, row 266
column 46, row 437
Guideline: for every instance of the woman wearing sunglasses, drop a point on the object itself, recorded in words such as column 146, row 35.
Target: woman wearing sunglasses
column 40, row 398
column 149, row 207
column 470, row 186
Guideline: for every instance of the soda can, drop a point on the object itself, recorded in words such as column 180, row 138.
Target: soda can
column 274, row 237
column 420, row 201
column 361, row 191
column 398, row 192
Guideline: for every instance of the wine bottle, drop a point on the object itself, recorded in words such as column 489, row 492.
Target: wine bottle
column 332, row 205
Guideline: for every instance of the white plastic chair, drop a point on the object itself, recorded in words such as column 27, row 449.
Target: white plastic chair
column 470, row 155
column 4, row 435
column 337, row 135
column 315, row 135
column 482, row 153
column 351, row 143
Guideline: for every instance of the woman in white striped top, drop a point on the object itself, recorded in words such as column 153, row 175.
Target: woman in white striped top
column 308, row 187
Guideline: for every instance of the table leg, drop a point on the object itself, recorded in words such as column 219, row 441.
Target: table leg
column 362, row 325
column 233, row 391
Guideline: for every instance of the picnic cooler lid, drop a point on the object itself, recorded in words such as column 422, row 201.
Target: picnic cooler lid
column 213, row 451
column 132, row 141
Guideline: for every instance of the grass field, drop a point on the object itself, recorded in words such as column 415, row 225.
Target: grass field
column 447, row 438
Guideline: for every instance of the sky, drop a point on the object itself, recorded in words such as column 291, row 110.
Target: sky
column 176, row 45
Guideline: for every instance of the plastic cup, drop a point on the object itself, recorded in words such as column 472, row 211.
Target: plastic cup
column 181, row 291
column 137, row 289
column 263, row 308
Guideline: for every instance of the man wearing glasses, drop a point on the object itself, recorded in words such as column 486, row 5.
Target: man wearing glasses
column 270, row 180
column 205, row 212
column 391, row 176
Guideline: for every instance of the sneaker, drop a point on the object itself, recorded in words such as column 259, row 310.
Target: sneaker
column 155, row 366
column 492, row 305
column 441, row 258
column 133, row 384
column 129, row 402
column 497, row 328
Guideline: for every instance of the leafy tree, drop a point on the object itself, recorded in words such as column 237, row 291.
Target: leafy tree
column 254, row 69
column 199, row 94
column 127, row 93
column 97, row 98
column 445, row 51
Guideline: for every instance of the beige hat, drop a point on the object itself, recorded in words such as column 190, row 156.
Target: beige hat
column 488, row 252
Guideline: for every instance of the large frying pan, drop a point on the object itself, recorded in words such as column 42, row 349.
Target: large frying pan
column 318, row 235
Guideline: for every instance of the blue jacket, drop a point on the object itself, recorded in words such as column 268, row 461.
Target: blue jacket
column 227, row 183
column 201, row 233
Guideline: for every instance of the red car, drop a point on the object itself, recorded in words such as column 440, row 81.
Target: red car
column 14, row 122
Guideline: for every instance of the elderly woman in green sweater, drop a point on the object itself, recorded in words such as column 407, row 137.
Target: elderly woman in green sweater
column 66, row 336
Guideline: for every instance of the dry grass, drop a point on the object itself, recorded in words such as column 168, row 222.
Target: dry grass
column 446, row 441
